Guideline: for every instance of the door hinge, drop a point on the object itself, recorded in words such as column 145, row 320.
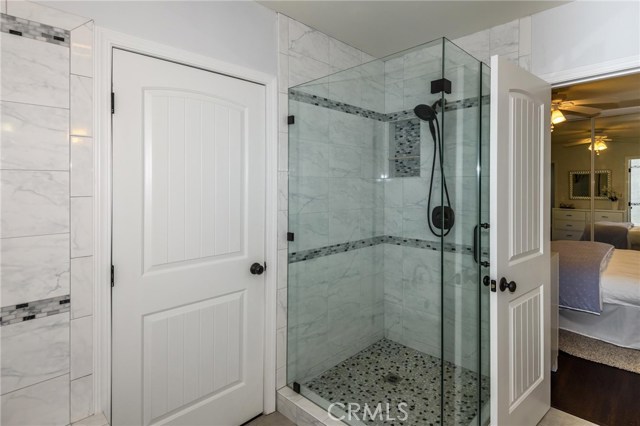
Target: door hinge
column 291, row 119
column 484, row 225
column 113, row 103
column 113, row 275
column 291, row 236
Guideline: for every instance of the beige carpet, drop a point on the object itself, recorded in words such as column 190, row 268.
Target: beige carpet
column 599, row 351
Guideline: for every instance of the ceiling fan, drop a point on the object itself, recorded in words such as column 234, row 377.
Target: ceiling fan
column 583, row 108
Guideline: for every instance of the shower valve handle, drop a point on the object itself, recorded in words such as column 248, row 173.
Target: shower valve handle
column 511, row 285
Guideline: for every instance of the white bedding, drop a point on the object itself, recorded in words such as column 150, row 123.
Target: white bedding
column 620, row 282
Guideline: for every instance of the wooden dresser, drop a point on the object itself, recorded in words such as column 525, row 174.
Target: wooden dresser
column 568, row 224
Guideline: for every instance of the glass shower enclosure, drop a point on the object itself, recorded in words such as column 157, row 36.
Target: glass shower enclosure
column 388, row 210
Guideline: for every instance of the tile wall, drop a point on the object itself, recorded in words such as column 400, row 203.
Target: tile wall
column 47, row 233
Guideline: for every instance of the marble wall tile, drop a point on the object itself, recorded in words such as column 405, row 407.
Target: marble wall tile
column 81, row 287
column 43, row 404
column 34, row 351
column 34, row 137
column 311, row 229
column 81, row 398
column 81, row 105
column 308, row 195
column 82, row 50
column 281, row 310
column 283, row 152
column 303, row 69
column 81, row 347
column 343, row 56
column 283, row 33
column 477, row 44
column 283, row 226
column 43, row 14
column 505, row 38
column 34, row 203
column 283, row 72
column 283, row 112
column 34, row 268
column 81, row 166
column 309, row 158
column 34, row 72
column 308, row 42
column 283, row 267
column 81, row 226
column 283, row 190
column 344, row 225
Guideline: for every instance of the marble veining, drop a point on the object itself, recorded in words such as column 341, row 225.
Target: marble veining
column 34, row 351
column 81, row 226
column 34, row 203
column 42, row 404
column 81, row 347
column 41, row 261
column 34, row 72
column 35, row 30
column 34, row 137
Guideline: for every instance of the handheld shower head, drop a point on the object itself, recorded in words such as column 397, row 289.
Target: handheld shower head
column 425, row 112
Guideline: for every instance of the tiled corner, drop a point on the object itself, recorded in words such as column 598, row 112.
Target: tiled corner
column 81, row 347
column 82, row 50
column 81, row 226
column 81, row 398
column 81, row 105
column 81, row 166
column 82, row 287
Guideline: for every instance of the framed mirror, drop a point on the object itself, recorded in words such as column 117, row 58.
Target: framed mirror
column 579, row 184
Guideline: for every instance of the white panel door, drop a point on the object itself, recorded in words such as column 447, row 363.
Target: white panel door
column 520, row 257
column 188, row 222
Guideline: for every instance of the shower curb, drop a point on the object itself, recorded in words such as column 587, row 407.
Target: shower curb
column 301, row 410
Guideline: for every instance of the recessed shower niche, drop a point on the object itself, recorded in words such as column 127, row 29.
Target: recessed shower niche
column 384, row 300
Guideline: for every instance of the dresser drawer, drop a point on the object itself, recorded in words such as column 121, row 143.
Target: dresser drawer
column 568, row 215
column 569, row 225
column 566, row 235
column 612, row 216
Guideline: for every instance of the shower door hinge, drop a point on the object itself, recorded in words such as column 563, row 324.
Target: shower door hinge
column 296, row 387
column 291, row 236
column 113, row 103
column 441, row 85
column 113, row 275
column 484, row 225
column 291, row 119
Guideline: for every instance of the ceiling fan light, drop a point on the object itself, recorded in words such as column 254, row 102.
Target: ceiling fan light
column 557, row 116
column 598, row 146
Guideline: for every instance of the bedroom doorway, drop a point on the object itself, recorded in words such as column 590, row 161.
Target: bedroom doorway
column 596, row 157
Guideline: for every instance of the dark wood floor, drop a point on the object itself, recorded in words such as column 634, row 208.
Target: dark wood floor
column 595, row 392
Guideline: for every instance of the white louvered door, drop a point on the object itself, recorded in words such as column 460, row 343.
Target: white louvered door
column 188, row 222
column 520, row 319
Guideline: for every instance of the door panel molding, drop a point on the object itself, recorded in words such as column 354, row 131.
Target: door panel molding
column 105, row 41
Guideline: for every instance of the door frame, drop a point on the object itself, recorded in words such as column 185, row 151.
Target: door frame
column 104, row 42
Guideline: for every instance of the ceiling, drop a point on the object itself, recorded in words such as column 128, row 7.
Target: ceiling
column 381, row 28
column 619, row 101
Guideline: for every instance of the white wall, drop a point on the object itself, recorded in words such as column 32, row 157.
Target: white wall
column 569, row 38
column 238, row 32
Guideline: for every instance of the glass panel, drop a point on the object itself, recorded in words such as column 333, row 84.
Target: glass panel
column 380, row 303
column 617, row 154
column 570, row 187
column 484, row 249
column 460, row 273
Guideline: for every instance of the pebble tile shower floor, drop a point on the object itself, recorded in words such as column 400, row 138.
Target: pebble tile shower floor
column 368, row 378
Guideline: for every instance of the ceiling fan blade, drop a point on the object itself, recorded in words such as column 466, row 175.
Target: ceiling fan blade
column 577, row 113
column 582, row 109
column 602, row 105
column 599, row 100
column 583, row 142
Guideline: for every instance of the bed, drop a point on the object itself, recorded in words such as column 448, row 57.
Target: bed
column 622, row 235
column 618, row 284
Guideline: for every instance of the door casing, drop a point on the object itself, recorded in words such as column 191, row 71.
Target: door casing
column 104, row 43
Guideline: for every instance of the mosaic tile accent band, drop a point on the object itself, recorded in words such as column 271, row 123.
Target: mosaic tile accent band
column 307, row 98
column 373, row 241
column 33, row 310
column 35, row 30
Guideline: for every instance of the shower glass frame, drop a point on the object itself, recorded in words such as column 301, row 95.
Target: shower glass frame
column 324, row 174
